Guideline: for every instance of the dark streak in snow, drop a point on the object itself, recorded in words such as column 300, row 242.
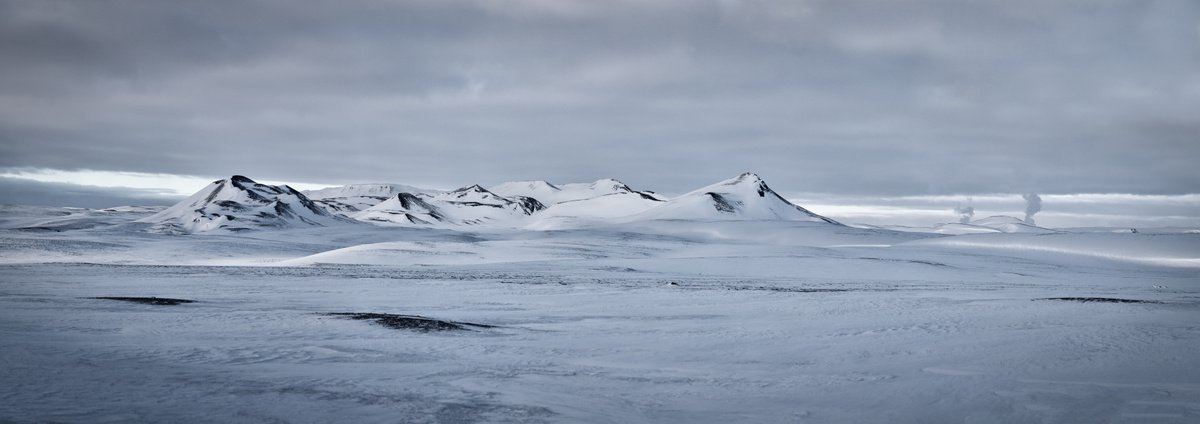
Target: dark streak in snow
column 1099, row 300
column 409, row 322
column 148, row 300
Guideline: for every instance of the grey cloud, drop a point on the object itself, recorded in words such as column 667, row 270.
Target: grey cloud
column 837, row 96
column 17, row 191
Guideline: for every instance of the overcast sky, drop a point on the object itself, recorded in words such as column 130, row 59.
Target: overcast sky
column 864, row 98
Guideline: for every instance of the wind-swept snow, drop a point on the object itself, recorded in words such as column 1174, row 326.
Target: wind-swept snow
column 726, row 306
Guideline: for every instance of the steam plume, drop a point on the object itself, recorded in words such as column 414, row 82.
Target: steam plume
column 964, row 213
column 1033, row 204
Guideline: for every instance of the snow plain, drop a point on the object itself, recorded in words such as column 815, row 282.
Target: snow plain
column 673, row 321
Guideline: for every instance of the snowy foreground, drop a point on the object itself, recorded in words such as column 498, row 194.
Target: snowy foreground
column 662, row 321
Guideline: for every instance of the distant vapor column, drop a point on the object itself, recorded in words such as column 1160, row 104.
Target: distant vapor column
column 965, row 213
column 1033, row 204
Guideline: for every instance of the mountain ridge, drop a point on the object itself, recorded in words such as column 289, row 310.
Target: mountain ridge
column 239, row 203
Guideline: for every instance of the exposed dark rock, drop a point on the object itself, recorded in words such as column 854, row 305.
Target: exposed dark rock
column 230, row 204
column 148, row 300
column 1099, row 300
column 409, row 322
column 721, row 204
column 529, row 205
column 648, row 195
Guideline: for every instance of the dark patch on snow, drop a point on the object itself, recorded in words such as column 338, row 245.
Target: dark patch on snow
column 475, row 204
column 528, row 205
column 230, row 204
column 1099, row 300
column 462, row 192
column 336, row 206
column 148, row 300
column 801, row 209
column 648, row 195
column 720, row 203
column 615, row 269
column 413, row 219
column 410, row 322
column 410, row 201
column 36, row 229
column 407, row 200
column 911, row 261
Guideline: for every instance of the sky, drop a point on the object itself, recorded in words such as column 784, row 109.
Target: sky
column 841, row 99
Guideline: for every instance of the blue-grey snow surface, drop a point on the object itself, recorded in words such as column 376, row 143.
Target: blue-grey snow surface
column 662, row 321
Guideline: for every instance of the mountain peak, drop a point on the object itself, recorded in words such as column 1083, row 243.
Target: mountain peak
column 744, row 197
column 611, row 185
column 240, row 204
column 749, row 180
column 744, row 178
column 475, row 188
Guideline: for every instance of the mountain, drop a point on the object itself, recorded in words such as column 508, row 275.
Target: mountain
column 614, row 205
column 240, row 204
column 550, row 194
column 473, row 205
column 745, row 197
column 352, row 198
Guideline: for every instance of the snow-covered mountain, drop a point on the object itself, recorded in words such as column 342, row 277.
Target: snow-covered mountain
column 551, row 194
column 352, row 198
column 608, row 206
column 239, row 204
column 580, row 203
column 473, row 205
column 744, row 197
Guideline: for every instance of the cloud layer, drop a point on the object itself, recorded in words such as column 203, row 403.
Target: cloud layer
column 854, row 97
